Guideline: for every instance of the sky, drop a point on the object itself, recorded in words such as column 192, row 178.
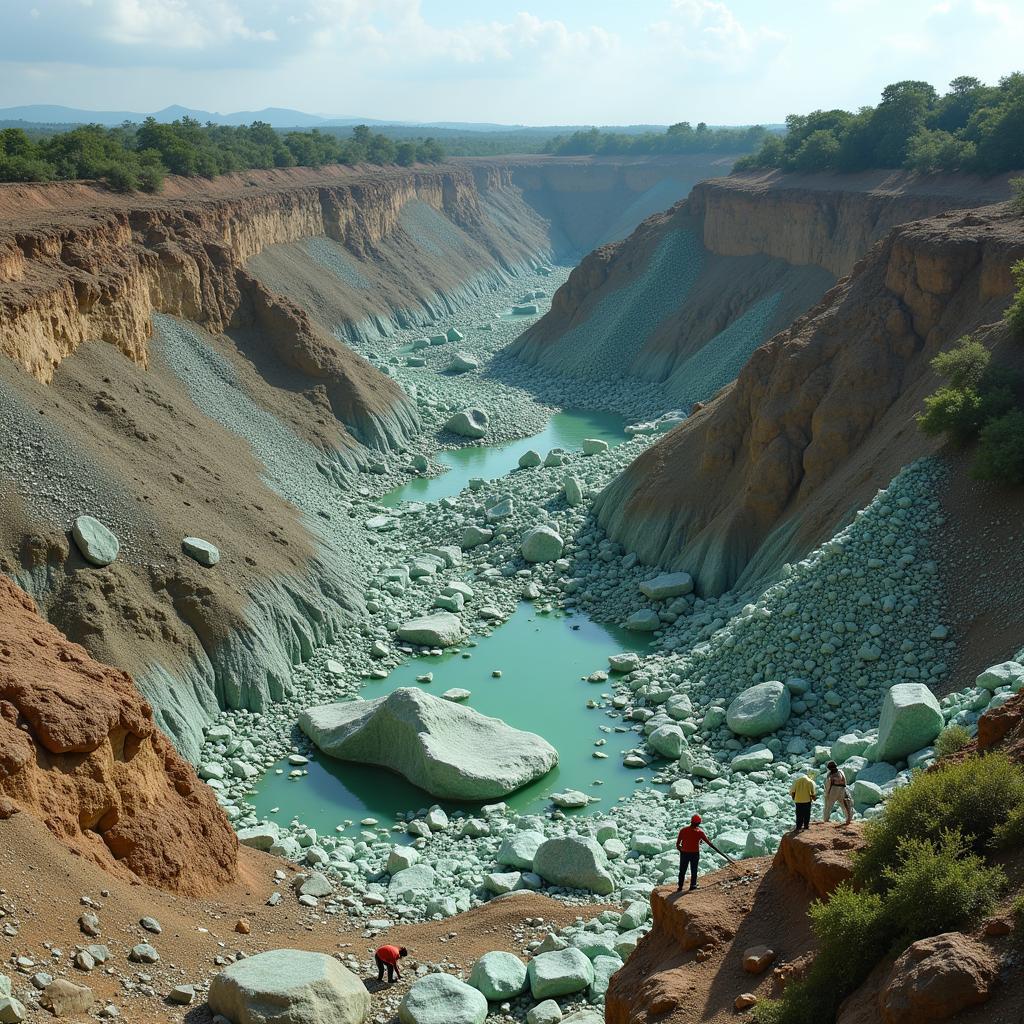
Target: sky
column 507, row 61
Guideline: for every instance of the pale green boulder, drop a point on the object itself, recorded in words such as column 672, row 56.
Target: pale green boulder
column 547, row 1012
column 541, row 544
column 667, row 741
column 573, row 488
column 97, row 544
column 442, row 999
column 755, row 759
column 469, row 423
column 519, row 849
column 759, row 710
column 911, row 719
column 576, row 862
column 594, row 446
column 1009, row 673
column 849, row 745
column 441, row 629
column 529, row 459
column 560, row 973
column 498, row 975
column 448, row 749
column 643, row 621
column 668, row 584
column 289, row 986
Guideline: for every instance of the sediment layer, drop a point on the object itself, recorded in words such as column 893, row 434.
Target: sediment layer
column 822, row 415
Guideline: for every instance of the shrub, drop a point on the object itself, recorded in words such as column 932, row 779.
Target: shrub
column 850, row 929
column 1010, row 834
column 965, row 364
column 955, row 412
column 1014, row 315
column 974, row 797
column 936, row 886
column 1001, row 449
column 952, row 739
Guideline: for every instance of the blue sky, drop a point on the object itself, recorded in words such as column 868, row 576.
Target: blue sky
column 510, row 61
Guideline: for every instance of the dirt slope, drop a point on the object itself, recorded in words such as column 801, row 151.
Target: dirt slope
column 80, row 752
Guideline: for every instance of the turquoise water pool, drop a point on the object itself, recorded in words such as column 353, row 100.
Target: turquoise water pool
column 542, row 659
column 564, row 430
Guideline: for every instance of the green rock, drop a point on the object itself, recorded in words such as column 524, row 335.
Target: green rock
column 541, row 544
column 498, row 975
column 201, row 550
column 11, row 1010
column 643, row 621
column 560, row 973
column 594, row 446
column 442, row 999
column 519, row 849
column 911, row 719
column 97, row 544
column 754, row 760
column 667, row 741
column 759, row 710
column 441, row 629
column 604, row 967
column 469, row 423
column 573, row 488
column 668, row 584
column 445, row 748
column 529, row 459
column 547, row 1012
column 1009, row 673
column 289, row 986
column 576, row 862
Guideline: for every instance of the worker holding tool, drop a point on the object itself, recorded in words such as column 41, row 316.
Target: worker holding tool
column 688, row 844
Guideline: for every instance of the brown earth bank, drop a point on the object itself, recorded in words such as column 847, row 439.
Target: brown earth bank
column 822, row 415
column 764, row 245
column 80, row 752
column 42, row 883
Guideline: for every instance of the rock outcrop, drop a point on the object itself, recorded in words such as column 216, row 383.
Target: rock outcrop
column 821, row 416
column 450, row 751
column 694, row 290
column 80, row 751
column 696, row 955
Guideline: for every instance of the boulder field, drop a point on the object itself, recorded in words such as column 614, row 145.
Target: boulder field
column 450, row 751
column 79, row 750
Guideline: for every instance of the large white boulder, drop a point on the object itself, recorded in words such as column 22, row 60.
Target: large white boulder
column 445, row 748
column 289, row 986
column 759, row 710
column 911, row 719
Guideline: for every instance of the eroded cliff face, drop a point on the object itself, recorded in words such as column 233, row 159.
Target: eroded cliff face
column 686, row 299
column 79, row 750
column 820, row 416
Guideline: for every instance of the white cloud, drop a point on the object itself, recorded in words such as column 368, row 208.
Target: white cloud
column 707, row 30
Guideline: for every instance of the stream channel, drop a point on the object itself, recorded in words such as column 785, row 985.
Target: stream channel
column 543, row 660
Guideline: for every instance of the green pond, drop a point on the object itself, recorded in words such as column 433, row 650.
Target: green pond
column 542, row 659
column 564, row 430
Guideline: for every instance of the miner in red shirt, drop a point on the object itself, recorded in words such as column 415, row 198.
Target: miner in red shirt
column 688, row 844
column 388, row 956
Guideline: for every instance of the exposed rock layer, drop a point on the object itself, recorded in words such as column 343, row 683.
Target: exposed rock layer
column 820, row 416
column 80, row 751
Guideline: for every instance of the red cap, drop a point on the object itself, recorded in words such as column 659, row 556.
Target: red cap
column 695, row 820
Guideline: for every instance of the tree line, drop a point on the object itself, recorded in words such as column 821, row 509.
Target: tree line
column 139, row 156
column 677, row 138
column 973, row 128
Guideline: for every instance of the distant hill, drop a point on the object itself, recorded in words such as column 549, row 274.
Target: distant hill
column 279, row 117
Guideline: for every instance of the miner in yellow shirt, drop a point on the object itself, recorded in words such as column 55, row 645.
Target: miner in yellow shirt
column 803, row 791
